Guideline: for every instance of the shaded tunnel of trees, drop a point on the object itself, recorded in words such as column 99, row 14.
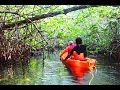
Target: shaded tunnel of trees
column 23, row 32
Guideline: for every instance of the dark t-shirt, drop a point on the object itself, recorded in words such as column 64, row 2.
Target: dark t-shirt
column 78, row 49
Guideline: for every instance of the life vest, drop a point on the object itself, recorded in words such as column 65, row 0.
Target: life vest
column 67, row 49
column 78, row 56
column 70, row 47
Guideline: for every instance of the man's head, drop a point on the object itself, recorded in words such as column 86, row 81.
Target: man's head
column 78, row 40
column 71, row 42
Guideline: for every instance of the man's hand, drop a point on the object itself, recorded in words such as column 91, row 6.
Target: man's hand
column 60, row 58
column 63, row 60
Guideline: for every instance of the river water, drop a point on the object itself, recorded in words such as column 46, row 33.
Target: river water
column 51, row 71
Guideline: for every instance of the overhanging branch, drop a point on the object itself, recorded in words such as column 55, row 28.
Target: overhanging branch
column 9, row 12
column 38, row 17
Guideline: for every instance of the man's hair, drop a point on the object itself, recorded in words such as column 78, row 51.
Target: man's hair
column 78, row 40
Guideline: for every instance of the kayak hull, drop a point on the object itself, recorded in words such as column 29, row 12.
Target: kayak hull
column 78, row 67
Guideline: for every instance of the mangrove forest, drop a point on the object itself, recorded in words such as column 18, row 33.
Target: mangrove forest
column 32, row 36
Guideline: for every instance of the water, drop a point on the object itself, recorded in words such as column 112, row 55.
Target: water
column 53, row 72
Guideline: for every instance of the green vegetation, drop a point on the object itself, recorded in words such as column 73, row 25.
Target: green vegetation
column 32, row 27
column 95, row 25
column 29, row 29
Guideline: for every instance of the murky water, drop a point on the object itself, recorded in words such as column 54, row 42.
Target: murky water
column 53, row 72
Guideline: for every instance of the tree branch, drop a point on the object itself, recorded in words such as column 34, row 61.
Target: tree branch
column 9, row 12
column 38, row 17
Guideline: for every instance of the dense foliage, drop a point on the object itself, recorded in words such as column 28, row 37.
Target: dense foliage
column 32, row 29
column 94, row 25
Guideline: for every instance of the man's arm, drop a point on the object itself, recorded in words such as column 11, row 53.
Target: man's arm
column 71, row 52
column 65, row 50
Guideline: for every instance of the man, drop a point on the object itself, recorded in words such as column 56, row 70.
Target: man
column 70, row 46
column 79, row 51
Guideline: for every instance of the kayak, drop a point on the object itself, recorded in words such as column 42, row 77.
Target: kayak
column 78, row 67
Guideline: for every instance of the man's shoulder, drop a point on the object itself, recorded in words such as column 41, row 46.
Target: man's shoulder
column 83, row 45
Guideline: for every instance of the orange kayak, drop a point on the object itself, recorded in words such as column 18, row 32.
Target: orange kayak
column 78, row 67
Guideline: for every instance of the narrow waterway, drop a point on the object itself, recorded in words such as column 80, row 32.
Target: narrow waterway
column 51, row 71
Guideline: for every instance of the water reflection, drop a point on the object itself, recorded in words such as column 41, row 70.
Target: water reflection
column 53, row 72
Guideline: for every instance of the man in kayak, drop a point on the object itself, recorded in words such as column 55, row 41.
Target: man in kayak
column 70, row 46
column 79, row 51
